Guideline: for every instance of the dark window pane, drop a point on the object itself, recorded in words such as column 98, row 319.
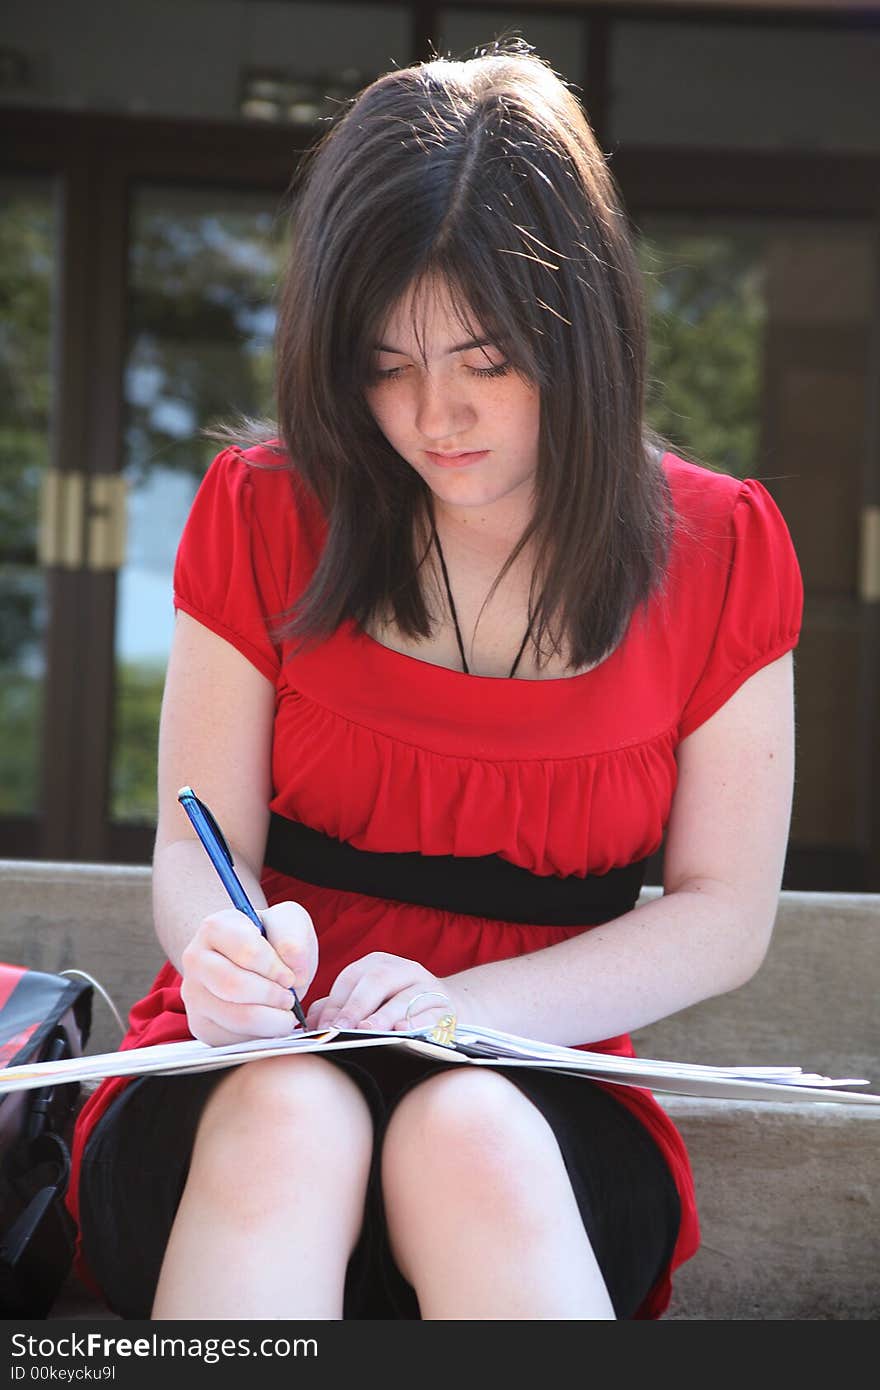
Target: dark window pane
column 189, row 58
column 28, row 257
column 682, row 83
column 760, row 365
column 558, row 38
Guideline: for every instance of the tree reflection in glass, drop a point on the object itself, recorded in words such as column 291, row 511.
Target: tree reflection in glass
column 28, row 231
column 203, row 267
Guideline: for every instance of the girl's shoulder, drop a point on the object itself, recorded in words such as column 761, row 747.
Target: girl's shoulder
column 698, row 491
column 735, row 588
column 726, row 523
column 281, row 499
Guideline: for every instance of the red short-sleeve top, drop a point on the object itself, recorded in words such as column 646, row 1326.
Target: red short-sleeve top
column 578, row 772
column 571, row 776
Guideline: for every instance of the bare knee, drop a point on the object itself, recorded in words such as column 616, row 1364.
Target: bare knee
column 271, row 1121
column 470, row 1139
column 482, row 1217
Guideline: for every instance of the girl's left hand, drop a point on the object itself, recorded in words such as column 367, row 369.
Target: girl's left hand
column 375, row 991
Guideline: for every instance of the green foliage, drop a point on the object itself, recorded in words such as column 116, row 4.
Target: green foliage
column 201, row 290
column 27, row 234
column 139, row 699
column 707, row 311
column 135, row 742
column 21, row 716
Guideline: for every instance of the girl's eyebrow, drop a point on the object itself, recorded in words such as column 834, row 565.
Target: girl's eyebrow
column 460, row 347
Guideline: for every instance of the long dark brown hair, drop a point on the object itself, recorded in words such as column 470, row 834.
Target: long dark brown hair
column 484, row 173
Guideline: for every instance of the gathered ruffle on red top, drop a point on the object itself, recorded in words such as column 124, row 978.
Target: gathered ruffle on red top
column 391, row 753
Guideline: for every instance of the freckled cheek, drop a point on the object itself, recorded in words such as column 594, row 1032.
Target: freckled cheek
column 392, row 407
column 527, row 418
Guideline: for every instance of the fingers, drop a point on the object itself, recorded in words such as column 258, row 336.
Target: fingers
column 217, row 1021
column 291, row 934
column 362, row 987
column 236, row 983
column 376, row 991
column 232, row 935
column 424, row 1015
column 397, row 1016
column 315, row 1011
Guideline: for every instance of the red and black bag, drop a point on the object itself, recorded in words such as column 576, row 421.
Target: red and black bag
column 42, row 1017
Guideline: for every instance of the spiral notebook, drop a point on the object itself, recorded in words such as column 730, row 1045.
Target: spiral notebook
column 465, row 1045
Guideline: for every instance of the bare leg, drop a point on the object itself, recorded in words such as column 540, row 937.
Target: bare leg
column 481, row 1215
column 273, row 1204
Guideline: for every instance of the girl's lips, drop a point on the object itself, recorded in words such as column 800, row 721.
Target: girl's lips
column 456, row 460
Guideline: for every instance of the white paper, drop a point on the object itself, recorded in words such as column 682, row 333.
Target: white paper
column 497, row 1049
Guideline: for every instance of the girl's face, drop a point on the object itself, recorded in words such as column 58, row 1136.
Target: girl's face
column 462, row 402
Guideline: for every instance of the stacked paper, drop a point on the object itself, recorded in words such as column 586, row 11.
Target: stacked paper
column 473, row 1046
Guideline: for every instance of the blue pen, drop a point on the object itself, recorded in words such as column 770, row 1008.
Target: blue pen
column 214, row 841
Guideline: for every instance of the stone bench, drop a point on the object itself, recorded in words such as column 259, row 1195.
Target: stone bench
column 788, row 1193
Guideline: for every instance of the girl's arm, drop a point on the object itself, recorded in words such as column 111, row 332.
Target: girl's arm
column 723, row 865
column 215, row 735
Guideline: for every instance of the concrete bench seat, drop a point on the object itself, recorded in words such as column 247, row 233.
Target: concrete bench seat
column 788, row 1192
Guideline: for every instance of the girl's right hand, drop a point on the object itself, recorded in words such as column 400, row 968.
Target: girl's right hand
column 236, row 983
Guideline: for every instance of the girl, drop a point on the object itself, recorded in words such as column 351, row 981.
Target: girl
column 459, row 644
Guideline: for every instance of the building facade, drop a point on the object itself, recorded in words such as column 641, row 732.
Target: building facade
column 147, row 149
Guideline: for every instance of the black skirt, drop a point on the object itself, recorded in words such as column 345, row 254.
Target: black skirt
column 136, row 1163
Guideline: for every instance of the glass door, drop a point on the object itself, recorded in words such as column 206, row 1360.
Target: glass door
column 28, row 268
column 202, row 270
column 761, row 351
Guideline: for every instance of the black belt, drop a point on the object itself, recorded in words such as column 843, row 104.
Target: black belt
column 481, row 886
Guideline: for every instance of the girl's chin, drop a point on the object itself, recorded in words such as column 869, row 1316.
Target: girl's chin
column 478, row 492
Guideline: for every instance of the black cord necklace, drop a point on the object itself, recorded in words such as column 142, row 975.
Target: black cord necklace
column 436, row 540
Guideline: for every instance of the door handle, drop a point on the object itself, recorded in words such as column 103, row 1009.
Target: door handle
column 106, row 517
column 83, row 520
column 59, row 533
column 869, row 556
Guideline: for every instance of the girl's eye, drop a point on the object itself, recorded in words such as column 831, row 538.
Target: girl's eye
column 501, row 370
column 388, row 375
column 392, row 372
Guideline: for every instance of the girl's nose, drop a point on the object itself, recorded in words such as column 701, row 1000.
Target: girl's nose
column 441, row 411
